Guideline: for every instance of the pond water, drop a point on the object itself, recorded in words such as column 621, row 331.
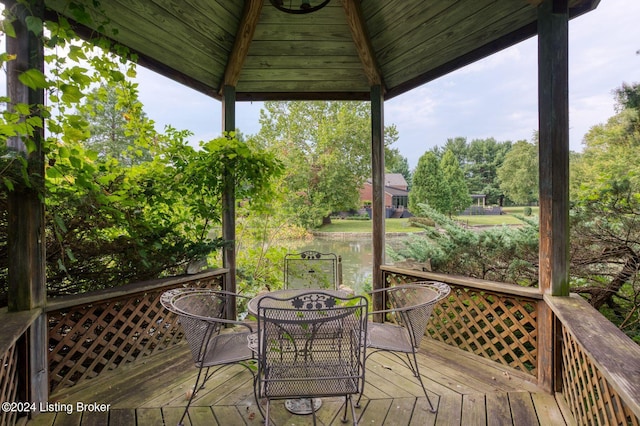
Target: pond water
column 356, row 254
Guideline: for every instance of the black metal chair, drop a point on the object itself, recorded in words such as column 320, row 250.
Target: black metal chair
column 411, row 309
column 311, row 270
column 311, row 345
column 213, row 345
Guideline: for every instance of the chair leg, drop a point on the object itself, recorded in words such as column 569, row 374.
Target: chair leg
column 416, row 372
column 348, row 400
column 193, row 393
column 266, row 416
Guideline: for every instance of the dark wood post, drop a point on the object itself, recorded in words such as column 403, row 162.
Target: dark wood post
column 377, row 207
column 229, row 200
column 553, row 101
column 25, row 213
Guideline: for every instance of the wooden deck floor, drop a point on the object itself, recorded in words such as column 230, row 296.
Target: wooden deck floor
column 466, row 389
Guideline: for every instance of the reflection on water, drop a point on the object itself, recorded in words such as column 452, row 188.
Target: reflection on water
column 357, row 258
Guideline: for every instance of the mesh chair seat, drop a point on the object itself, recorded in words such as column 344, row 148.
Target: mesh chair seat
column 231, row 347
column 388, row 337
column 313, row 380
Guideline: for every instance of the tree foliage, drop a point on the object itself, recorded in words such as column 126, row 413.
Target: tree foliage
column 326, row 147
column 518, row 174
column 460, row 198
column 499, row 253
column 114, row 117
column 429, row 186
column 113, row 218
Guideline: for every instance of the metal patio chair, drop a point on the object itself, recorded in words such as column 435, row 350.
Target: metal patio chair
column 411, row 308
column 311, row 345
column 213, row 345
column 311, row 270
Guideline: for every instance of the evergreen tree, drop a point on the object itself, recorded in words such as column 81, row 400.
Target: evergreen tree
column 454, row 176
column 429, row 186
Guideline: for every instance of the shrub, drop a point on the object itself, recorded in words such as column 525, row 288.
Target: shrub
column 421, row 222
column 527, row 211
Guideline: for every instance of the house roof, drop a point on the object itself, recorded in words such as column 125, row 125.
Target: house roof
column 396, row 192
column 338, row 52
column 395, row 179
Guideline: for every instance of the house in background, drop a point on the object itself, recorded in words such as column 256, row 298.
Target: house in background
column 396, row 195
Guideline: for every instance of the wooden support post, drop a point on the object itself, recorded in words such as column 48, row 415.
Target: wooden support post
column 553, row 96
column 25, row 212
column 229, row 201
column 377, row 169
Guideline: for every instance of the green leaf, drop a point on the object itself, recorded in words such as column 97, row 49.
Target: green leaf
column 8, row 184
column 33, row 79
column 34, row 24
column 60, row 223
column 61, row 265
column 71, row 93
column 8, row 29
column 70, row 255
column 63, row 152
column 76, row 162
column 53, row 173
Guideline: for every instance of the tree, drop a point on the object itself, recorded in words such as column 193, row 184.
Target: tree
column 326, row 147
column 429, row 186
column 518, row 174
column 114, row 115
column 605, row 219
column 484, row 157
column 454, row 176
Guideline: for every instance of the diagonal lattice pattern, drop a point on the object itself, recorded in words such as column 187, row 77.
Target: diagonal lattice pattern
column 589, row 395
column 89, row 338
column 500, row 327
column 8, row 384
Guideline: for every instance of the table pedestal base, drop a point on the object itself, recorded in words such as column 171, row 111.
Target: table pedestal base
column 303, row 406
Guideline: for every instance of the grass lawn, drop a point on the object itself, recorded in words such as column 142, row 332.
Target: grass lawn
column 402, row 225
column 391, row 225
column 497, row 220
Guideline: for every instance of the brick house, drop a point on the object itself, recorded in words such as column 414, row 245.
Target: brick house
column 396, row 195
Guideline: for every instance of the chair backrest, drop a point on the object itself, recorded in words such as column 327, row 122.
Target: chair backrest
column 311, row 344
column 413, row 304
column 311, row 270
column 200, row 312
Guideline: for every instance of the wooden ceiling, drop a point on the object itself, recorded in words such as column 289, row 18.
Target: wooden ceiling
column 336, row 53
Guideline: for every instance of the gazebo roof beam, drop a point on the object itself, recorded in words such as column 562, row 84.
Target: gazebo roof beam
column 362, row 41
column 244, row 36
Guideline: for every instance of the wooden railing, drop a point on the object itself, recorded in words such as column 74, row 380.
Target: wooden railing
column 14, row 328
column 494, row 320
column 102, row 330
column 597, row 367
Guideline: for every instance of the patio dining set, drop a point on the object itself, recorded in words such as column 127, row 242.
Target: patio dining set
column 305, row 343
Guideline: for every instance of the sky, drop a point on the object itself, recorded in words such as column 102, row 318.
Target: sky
column 495, row 97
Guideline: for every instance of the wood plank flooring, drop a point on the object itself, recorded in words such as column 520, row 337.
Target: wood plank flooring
column 466, row 390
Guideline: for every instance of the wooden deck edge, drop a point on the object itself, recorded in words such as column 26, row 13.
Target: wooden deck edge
column 565, row 410
column 513, row 372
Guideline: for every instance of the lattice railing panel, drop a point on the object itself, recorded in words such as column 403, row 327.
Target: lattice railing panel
column 8, row 384
column 87, row 339
column 589, row 395
column 497, row 326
